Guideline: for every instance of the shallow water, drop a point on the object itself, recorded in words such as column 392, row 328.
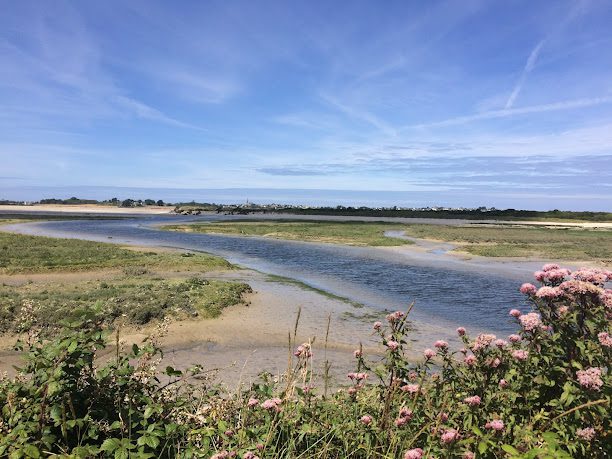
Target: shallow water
column 447, row 293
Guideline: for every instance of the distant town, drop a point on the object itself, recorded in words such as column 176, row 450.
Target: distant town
column 248, row 208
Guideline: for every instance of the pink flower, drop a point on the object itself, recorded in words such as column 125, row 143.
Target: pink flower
column 468, row 455
column 520, row 354
column 260, row 446
column 515, row 312
column 470, row 360
column 549, row 267
column 429, row 353
column 539, row 276
column 357, row 353
column 449, row 436
column 411, row 388
column 405, row 413
column 249, row 455
column 441, row 344
column 393, row 345
column 461, row 331
column 357, row 376
column 562, row 310
column 500, row 343
column 605, row 339
column 220, row 455
column 377, row 326
column 400, row 422
column 303, row 351
column 353, row 390
column 587, row 433
column 367, row 420
column 592, row 275
column 496, row 424
column 229, row 433
column 252, row 402
column 577, row 287
column 272, row 404
column 557, row 275
column 503, row 383
column 590, row 378
column 549, row 293
column 528, row 289
column 443, row 416
column 473, row 400
column 514, row 338
column 494, row 363
column 530, row 321
column 416, row 453
column 482, row 341
column 395, row 316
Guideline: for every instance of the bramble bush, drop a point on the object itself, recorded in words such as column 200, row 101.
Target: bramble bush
column 543, row 392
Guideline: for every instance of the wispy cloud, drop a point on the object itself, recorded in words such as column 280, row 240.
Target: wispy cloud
column 504, row 113
column 529, row 65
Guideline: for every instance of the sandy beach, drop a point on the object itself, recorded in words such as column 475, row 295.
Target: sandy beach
column 87, row 209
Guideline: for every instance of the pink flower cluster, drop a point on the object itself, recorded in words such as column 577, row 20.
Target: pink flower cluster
column 357, row 376
column 272, row 404
column 393, row 345
column 441, row 344
column 549, row 293
column 377, row 326
column 303, row 351
column 530, row 321
column 223, row 455
column 470, row 360
column 482, row 341
column 496, row 424
column 405, row 415
column 593, row 275
column 554, row 276
column 252, row 402
column 411, row 388
column 429, row 353
column 416, row 453
column 366, row 420
column 588, row 433
column 250, row 455
column 528, row 289
column 449, row 436
column 605, row 339
column 468, row 455
column 461, row 331
column 520, row 354
column 590, row 378
column 474, row 400
column 578, row 287
column 514, row 338
column 395, row 316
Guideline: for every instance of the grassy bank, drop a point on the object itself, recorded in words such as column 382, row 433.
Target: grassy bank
column 540, row 242
column 489, row 241
column 31, row 254
column 350, row 233
column 75, row 279
column 135, row 300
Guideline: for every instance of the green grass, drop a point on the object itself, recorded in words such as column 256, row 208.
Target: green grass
column 350, row 233
column 489, row 241
column 503, row 241
column 138, row 300
column 32, row 254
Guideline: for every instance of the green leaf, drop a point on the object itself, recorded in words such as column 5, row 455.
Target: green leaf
column 31, row 451
column 482, row 447
column 511, row 450
column 110, row 445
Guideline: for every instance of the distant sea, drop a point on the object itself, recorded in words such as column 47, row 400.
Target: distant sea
column 311, row 197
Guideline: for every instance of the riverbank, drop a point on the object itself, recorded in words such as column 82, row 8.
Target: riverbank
column 504, row 241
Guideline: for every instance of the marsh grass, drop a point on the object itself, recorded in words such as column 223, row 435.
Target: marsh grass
column 504, row 241
column 138, row 299
column 34, row 254
column 349, row 233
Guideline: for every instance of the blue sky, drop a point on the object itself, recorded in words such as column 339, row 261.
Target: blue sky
column 463, row 102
